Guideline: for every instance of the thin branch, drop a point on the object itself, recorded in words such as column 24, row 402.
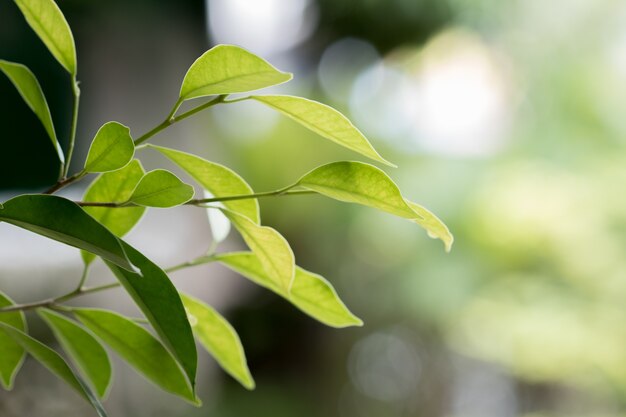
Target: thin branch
column 70, row 152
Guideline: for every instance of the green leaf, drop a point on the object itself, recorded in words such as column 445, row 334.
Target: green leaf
column 227, row 69
column 271, row 248
column 161, row 188
column 48, row 22
column 139, row 348
column 217, row 179
column 160, row 302
column 54, row 362
column 116, row 187
column 30, row 90
column 11, row 353
column 325, row 121
column 436, row 228
column 219, row 338
column 310, row 292
column 63, row 220
column 88, row 354
column 111, row 149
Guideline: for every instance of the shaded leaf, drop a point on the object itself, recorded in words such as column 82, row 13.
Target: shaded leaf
column 217, row 179
column 161, row 188
column 87, row 353
column 63, row 220
column 48, row 22
column 325, row 121
column 54, row 362
column 270, row 247
column 11, row 353
column 435, row 227
column 219, row 338
column 227, row 69
column 112, row 148
column 116, row 187
column 30, row 90
column 310, row 292
column 139, row 348
column 158, row 299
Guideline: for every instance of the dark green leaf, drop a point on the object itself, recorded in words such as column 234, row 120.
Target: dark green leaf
column 30, row 90
column 161, row 188
column 111, row 149
column 62, row 220
column 219, row 338
column 227, row 69
column 87, row 353
column 310, row 292
column 139, row 348
column 11, row 353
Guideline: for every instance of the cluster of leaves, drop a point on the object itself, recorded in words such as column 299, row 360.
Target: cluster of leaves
column 121, row 193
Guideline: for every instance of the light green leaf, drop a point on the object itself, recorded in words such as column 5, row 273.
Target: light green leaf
column 161, row 188
column 63, row 220
column 227, row 69
column 48, row 22
column 30, row 90
column 54, row 362
column 325, row 121
column 310, row 292
column 11, row 353
column 435, row 227
column 116, row 187
column 160, row 302
column 219, row 338
column 270, row 247
column 87, row 353
column 111, row 149
column 139, row 348
column 217, row 179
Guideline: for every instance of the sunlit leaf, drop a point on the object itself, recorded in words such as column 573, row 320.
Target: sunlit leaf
column 218, row 222
column 54, row 362
column 48, row 22
column 63, row 220
column 270, row 247
column 83, row 349
column 111, row 149
column 219, row 338
column 227, row 69
column 435, row 227
column 160, row 302
column 161, row 188
column 310, row 292
column 139, row 348
column 325, row 121
column 217, row 179
column 11, row 353
column 30, row 90
column 116, row 187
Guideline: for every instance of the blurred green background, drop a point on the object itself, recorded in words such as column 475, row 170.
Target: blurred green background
column 505, row 118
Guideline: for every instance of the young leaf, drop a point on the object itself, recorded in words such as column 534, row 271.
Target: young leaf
column 325, row 121
column 117, row 187
column 48, row 22
column 310, row 292
column 270, row 247
column 63, row 220
column 30, row 90
column 11, row 353
column 160, row 302
column 227, row 69
column 217, row 179
column 219, row 338
column 54, row 362
column 435, row 227
column 139, row 348
column 161, row 188
column 87, row 353
column 111, row 149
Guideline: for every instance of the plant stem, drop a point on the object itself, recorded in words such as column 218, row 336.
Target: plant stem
column 70, row 152
column 65, row 182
